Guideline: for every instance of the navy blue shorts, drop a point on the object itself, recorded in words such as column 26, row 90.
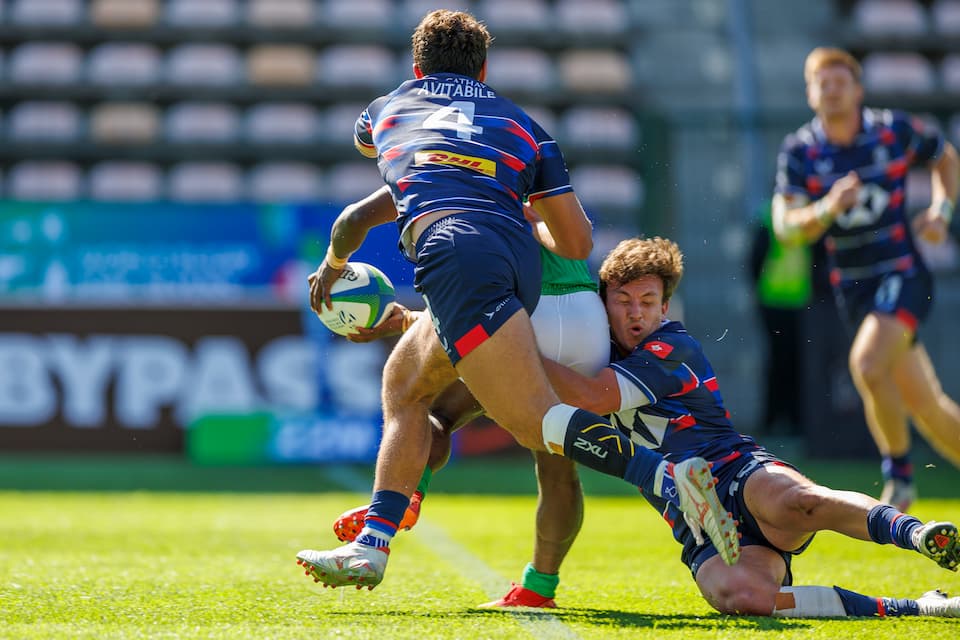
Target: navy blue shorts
column 907, row 296
column 474, row 271
column 732, row 473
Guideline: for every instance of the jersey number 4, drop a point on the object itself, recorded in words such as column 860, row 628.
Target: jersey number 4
column 458, row 116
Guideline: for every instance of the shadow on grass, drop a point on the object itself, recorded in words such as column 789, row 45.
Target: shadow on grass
column 667, row 622
column 610, row 618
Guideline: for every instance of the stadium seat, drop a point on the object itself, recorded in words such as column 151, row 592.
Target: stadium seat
column 595, row 70
column 280, row 65
column 504, row 16
column 282, row 14
column 124, row 14
column 44, row 121
column 367, row 14
column 284, row 182
column 127, row 181
column 608, row 185
column 889, row 17
column 545, row 117
column 592, row 17
column 282, row 123
column 124, row 123
column 201, row 123
column 370, row 66
column 204, row 15
column 53, row 180
column 950, row 72
column 45, row 13
column 123, row 64
column 945, row 17
column 203, row 64
column 339, row 120
column 898, row 72
column 528, row 69
column 411, row 12
column 602, row 127
column 351, row 181
column 204, row 182
column 46, row 63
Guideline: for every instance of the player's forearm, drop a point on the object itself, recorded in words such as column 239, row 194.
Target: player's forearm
column 801, row 224
column 580, row 391
column 567, row 225
column 945, row 181
column 355, row 221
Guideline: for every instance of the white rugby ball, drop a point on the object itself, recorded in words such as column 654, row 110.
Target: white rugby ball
column 362, row 297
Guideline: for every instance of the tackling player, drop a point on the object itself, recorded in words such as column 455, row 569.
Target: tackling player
column 459, row 161
column 843, row 175
column 662, row 391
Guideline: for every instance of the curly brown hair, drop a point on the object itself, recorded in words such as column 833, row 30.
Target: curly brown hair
column 450, row 42
column 637, row 257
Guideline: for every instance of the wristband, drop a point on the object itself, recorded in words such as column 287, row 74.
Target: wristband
column 946, row 211
column 334, row 261
column 824, row 216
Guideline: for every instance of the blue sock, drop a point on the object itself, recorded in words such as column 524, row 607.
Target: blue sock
column 651, row 473
column 898, row 467
column 383, row 518
column 856, row 604
column 886, row 525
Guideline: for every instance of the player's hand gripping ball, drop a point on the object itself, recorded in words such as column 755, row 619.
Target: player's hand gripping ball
column 362, row 297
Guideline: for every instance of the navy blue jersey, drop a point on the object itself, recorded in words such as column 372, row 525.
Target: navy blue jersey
column 873, row 238
column 449, row 142
column 670, row 400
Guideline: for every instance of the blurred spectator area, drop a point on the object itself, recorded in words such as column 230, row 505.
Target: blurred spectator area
column 910, row 51
column 221, row 100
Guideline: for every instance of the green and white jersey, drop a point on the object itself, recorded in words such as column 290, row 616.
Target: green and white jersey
column 563, row 275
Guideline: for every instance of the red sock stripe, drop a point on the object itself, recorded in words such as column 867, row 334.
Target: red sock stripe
column 383, row 521
column 881, row 610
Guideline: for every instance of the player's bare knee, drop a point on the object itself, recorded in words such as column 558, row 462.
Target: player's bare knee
column 866, row 371
column 744, row 595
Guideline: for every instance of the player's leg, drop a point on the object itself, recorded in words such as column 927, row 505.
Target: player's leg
column 404, row 450
column 452, row 409
column 788, row 508
column 880, row 343
column 936, row 415
column 749, row 587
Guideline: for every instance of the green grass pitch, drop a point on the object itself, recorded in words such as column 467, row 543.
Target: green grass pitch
column 202, row 555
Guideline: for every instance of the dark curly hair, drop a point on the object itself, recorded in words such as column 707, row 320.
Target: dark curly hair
column 450, row 42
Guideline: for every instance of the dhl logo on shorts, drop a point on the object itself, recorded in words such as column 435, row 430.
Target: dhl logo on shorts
column 482, row 165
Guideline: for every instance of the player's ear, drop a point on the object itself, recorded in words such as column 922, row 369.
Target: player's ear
column 416, row 71
column 482, row 77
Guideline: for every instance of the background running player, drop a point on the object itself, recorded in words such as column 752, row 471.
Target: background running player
column 844, row 174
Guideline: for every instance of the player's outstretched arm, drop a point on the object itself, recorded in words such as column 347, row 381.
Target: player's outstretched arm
column 347, row 234
column 599, row 394
column 563, row 225
column 933, row 224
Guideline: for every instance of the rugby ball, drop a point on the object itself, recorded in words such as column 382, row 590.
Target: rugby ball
column 362, row 297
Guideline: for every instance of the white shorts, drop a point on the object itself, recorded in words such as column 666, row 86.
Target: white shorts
column 572, row 329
